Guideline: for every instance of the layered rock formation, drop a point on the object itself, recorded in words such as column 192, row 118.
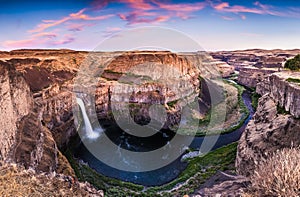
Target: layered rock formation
column 266, row 133
column 140, row 79
column 23, row 138
column 283, row 92
column 250, row 76
column 255, row 57
column 15, row 104
column 37, row 94
column 269, row 131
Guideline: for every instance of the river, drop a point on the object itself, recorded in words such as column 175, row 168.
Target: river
column 159, row 176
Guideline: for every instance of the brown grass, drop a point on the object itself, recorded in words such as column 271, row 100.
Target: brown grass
column 16, row 181
column 278, row 176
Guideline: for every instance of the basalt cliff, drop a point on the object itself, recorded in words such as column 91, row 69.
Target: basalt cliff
column 38, row 89
column 276, row 123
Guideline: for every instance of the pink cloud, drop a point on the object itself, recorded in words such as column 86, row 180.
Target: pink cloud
column 20, row 43
column 73, row 16
column 138, row 4
column 40, row 39
column 35, row 39
column 258, row 9
column 78, row 26
column 46, row 34
column 136, row 17
column 225, row 7
column 65, row 40
column 221, row 6
column 182, row 7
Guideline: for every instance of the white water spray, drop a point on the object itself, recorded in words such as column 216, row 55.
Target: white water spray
column 90, row 133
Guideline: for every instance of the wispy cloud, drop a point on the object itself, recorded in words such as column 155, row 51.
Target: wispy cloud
column 34, row 40
column 73, row 16
column 225, row 7
column 257, row 8
column 141, row 16
column 68, row 38
column 181, row 7
column 74, row 22
column 138, row 4
column 74, row 27
column 139, row 12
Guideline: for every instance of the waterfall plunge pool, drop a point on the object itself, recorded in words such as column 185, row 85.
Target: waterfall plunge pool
column 155, row 177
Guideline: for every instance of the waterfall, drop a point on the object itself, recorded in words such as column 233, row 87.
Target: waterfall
column 90, row 133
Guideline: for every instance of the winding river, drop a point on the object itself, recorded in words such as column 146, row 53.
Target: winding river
column 159, row 176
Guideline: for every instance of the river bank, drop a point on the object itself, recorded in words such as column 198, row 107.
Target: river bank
column 191, row 176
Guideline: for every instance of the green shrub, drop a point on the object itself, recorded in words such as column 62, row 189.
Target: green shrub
column 254, row 99
column 294, row 80
column 281, row 110
column 293, row 64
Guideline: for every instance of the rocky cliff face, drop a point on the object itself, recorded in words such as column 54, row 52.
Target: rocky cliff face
column 37, row 94
column 266, row 133
column 23, row 137
column 140, row 79
column 251, row 76
column 15, row 104
column 258, row 58
column 286, row 94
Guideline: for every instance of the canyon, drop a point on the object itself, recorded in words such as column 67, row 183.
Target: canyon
column 39, row 114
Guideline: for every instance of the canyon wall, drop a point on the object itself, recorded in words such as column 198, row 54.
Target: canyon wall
column 270, row 129
column 38, row 88
column 37, row 94
column 286, row 94
column 251, row 76
column 23, row 138
column 15, row 104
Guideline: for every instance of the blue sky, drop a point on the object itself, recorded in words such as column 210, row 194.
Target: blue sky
column 214, row 24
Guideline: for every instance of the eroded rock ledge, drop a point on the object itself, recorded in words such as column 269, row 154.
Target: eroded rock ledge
column 23, row 137
column 37, row 94
column 267, row 132
column 286, row 94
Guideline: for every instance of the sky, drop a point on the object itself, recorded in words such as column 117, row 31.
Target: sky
column 213, row 24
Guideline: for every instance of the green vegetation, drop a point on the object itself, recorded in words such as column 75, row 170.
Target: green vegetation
column 281, row 110
column 172, row 103
column 112, row 72
column 241, row 106
column 293, row 64
column 254, row 99
column 293, row 80
column 199, row 169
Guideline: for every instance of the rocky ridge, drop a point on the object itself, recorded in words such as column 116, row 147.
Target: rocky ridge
column 283, row 92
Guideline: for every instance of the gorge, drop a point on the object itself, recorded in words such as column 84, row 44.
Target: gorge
column 56, row 101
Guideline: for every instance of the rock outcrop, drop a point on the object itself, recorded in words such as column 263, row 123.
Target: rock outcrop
column 267, row 132
column 251, row 76
column 15, row 103
column 37, row 92
column 283, row 92
column 223, row 184
column 258, row 58
column 23, row 138
column 17, row 181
